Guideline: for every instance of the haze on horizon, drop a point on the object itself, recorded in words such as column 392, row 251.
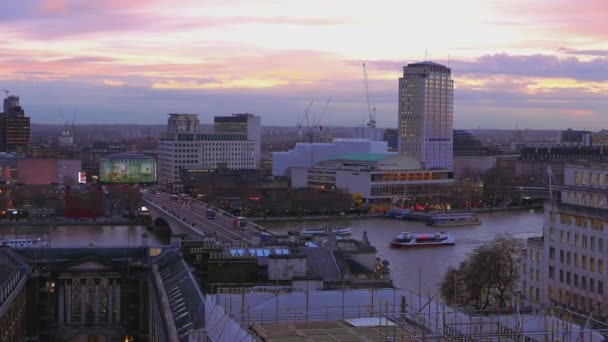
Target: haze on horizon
column 541, row 64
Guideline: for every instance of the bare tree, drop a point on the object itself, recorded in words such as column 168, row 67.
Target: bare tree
column 487, row 278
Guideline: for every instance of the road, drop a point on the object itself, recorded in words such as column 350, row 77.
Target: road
column 194, row 216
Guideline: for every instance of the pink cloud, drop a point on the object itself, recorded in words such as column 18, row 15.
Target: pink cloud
column 53, row 7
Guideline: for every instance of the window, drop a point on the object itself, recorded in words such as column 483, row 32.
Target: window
column 566, row 218
column 561, row 276
column 568, row 258
column 551, row 253
column 575, row 280
column 585, row 241
column 597, row 225
column 592, row 264
column 551, row 272
column 561, row 256
column 568, row 278
column 584, row 178
column 600, row 287
column 600, row 266
column 577, row 240
column 584, row 282
column 584, row 199
column 600, row 245
column 599, row 180
column 584, row 262
column 575, row 260
column 592, row 243
column 561, row 236
column 581, row 222
column 577, row 178
column 591, row 284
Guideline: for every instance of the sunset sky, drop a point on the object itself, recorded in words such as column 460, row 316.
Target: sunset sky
column 538, row 63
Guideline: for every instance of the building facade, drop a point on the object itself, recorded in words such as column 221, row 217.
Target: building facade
column 377, row 177
column 234, row 144
column 575, row 247
column 426, row 97
column 14, row 126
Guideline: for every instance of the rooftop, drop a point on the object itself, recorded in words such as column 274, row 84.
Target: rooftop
column 127, row 155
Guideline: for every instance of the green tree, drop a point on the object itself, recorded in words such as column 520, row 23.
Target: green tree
column 487, row 278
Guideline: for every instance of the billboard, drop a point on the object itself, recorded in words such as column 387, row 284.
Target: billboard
column 127, row 170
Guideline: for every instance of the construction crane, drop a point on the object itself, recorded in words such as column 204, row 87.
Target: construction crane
column 371, row 110
column 307, row 118
column 318, row 121
column 6, row 92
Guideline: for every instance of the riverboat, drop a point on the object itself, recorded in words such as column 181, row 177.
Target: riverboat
column 340, row 231
column 406, row 240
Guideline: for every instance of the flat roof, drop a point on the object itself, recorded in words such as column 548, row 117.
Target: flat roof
column 327, row 331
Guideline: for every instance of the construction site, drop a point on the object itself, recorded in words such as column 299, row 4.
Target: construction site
column 382, row 315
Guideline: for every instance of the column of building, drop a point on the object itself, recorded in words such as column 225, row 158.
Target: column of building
column 64, row 316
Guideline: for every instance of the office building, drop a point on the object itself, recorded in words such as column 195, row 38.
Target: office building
column 234, row 144
column 425, row 106
column 570, row 271
column 471, row 160
column 14, row 127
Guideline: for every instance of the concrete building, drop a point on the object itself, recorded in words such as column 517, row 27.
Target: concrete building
column 572, row 270
column 234, row 144
column 426, row 97
column 471, row 158
column 377, row 177
column 391, row 136
column 306, row 155
column 48, row 171
column 14, row 127
column 599, row 138
column 572, row 137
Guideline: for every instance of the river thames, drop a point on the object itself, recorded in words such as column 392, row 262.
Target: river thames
column 423, row 267
column 410, row 268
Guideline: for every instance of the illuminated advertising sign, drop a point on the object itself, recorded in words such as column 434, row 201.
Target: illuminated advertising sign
column 82, row 177
column 127, row 171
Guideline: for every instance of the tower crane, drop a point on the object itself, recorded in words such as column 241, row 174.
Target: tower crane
column 370, row 109
column 307, row 118
column 318, row 121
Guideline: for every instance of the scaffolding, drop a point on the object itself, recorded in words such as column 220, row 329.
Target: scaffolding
column 398, row 315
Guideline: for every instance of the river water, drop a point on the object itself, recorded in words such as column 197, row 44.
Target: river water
column 410, row 268
column 79, row 236
column 423, row 268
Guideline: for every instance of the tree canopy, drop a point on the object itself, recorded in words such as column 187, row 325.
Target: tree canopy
column 487, row 278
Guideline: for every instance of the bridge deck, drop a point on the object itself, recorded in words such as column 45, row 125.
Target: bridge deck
column 192, row 218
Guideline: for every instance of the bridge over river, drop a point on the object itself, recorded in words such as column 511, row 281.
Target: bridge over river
column 191, row 219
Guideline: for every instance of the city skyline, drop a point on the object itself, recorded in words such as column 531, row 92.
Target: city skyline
column 541, row 65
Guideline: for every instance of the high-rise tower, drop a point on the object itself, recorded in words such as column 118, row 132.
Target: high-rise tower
column 426, row 97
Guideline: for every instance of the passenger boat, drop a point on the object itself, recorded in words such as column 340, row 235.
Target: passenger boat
column 454, row 221
column 341, row 231
column 23, row 243
column 404, row 240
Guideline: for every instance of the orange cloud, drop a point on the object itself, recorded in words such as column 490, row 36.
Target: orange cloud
column 580, row 112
